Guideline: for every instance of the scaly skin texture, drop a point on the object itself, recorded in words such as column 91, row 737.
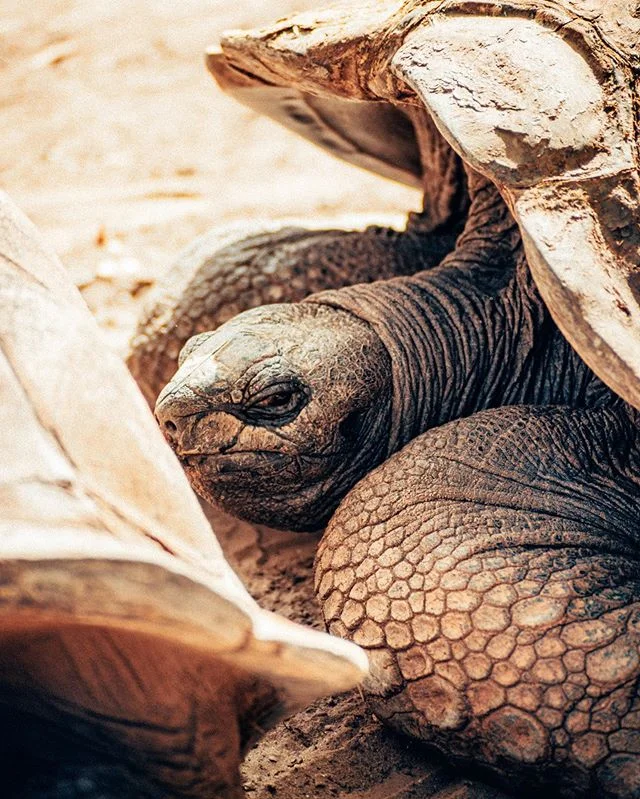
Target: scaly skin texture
column 367, row 368
column 491, row 570
column 227, row 272
column 489, row 565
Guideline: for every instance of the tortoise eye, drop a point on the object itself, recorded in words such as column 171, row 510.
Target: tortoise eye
column 278, row 400
column 276, row 405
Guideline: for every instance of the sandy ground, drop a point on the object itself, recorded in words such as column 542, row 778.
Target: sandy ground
column 118, row 145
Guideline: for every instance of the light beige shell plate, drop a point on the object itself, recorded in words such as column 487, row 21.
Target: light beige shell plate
column 540, row 98
column 98, row 525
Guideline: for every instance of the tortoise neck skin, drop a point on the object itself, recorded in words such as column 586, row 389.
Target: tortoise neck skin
column 445, row 198
column 471, row 334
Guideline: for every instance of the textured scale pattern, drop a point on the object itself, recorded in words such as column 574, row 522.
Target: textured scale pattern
column 227, row 272
column 473, row 566
column 500, row 606
column 490, row 566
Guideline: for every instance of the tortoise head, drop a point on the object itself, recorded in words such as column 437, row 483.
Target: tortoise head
column 277, row 413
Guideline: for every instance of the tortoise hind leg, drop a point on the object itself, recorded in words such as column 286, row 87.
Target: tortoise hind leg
column 491, row 570
column 231, row 270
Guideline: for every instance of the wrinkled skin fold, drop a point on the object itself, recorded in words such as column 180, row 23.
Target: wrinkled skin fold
column 491, row 570
column 349, row 376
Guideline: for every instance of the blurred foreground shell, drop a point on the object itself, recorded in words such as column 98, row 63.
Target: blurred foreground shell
column 132, row 660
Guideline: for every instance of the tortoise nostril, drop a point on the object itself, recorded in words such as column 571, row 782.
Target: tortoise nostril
column 170, row 427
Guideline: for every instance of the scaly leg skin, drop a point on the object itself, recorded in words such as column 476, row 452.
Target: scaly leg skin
column 490, row 568
column 229, row 271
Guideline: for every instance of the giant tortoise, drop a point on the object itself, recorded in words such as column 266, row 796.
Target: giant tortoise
column 133, row 663
column 468, row 430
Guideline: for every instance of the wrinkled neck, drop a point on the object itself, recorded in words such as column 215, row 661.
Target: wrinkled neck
column 472, row 333
column 445, row 199
column 490, row 239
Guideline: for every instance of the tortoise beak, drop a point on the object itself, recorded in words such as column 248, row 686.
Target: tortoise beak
column 195, row 389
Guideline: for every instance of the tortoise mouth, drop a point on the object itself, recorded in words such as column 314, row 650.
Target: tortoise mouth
column 229, row 464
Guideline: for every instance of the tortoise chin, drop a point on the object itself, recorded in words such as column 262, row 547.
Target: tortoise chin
column 259, row 486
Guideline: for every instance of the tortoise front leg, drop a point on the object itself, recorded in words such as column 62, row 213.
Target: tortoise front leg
column 231, row 270
column 491, row 570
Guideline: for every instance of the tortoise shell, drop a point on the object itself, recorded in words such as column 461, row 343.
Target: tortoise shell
column 541, row 99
